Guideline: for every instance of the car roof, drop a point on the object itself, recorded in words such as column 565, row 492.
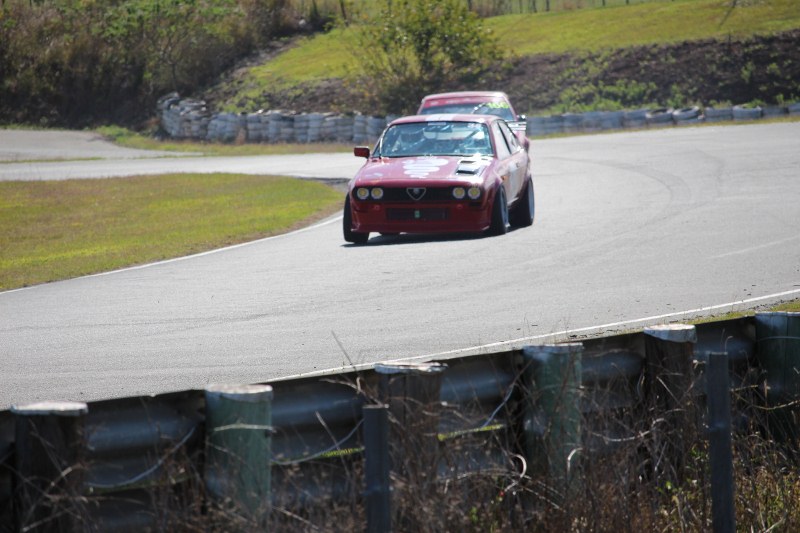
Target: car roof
column 446, row 117
column 465, row 97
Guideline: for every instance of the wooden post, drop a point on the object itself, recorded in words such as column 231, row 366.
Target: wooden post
column 377, row 493
column 238, row 447
column 552, row 379
column 50, row 473
column 669, row 380
column 719, row 443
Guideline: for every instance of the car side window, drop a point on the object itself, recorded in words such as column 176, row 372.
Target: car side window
column 503, row 149
column 511, row 139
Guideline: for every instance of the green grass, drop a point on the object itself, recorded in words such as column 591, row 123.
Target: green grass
column 333, row 55
column 666, row 22
column 130, row 139
column 54, row 230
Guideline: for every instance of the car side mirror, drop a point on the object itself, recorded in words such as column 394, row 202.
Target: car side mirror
column 523, row 118
column 361, row 151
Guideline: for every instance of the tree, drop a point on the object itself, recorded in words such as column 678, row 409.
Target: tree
column 415, row 47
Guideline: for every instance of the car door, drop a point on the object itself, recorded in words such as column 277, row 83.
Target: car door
column 517, row 161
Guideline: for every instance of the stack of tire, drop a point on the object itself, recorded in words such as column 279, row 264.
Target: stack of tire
column 344, row 129
column 256, row 131
column 301, row 128
column 573, row 122
column 274, row 121
column 741, row 112
column 718, row 114
column 227, row 127
column 375, row 126
column 687, row 116
column 286, row 133
column 661, row 116
column 635, row 118
column 315, row 121
column 359, row 129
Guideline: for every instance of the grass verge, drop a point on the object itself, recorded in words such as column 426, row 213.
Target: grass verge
column 55, row 230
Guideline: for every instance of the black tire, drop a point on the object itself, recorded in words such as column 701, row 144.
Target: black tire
column 499, row 225
column 521, row 215
column 347, row 227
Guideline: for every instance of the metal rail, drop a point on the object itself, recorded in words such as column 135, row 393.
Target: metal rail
column 136, row 446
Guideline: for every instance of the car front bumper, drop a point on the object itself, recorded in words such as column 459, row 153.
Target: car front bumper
column 445, row 217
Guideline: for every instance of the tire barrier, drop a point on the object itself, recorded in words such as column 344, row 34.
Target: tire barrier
column 636, row 118
column 659, row 116
column 771, row 111
column 718, row 114
column 746, row 113
column 191, row 119
column 687, row 115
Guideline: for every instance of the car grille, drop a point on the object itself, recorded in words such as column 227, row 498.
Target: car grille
column 430, row 213
column 440, row 194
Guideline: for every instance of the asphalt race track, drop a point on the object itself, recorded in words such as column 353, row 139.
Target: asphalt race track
column 631, row 228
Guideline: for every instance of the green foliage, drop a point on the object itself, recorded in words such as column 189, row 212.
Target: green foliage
column 600, row 96
column 417, row 47
column 747, row 72
column 74, row 63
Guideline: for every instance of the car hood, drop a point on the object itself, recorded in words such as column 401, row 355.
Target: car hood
column 413, row 169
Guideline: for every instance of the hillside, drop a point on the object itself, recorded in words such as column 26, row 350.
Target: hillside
column 658, row 53
column 762, row 69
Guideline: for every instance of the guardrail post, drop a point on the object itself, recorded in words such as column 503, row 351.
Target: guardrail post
column 778, row 353
column 552, row 378
column 719, row 443
column 238, row 448
column 50, row 444
column 412, row 393
column 669, row 380
column 377, row 493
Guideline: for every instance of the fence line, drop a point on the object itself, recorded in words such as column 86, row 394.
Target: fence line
column 113, row 456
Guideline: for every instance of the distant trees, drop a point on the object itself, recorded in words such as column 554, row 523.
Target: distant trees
column 77, row 62
column 409, row 48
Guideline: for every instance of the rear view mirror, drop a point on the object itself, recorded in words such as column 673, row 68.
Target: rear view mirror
column 361, row 151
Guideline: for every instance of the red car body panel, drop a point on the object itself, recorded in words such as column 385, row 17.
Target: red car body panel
column 433, row 208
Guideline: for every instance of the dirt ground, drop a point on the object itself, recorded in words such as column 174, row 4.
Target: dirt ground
column 762, row 69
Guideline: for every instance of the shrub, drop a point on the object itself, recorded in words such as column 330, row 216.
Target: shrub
column 415, row 47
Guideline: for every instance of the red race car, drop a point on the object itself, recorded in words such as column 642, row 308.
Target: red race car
column 438, row 174
column 477, row 103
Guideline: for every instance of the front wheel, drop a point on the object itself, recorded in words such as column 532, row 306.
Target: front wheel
column 347, row 227
column 521, row 215
column 499, row 225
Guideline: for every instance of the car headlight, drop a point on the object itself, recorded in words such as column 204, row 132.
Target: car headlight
column 362, row 193
column 459, row 193
column 377, row 193
column 474, row 193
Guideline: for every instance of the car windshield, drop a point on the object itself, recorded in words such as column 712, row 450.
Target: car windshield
column 500, row 109
column 435, row 138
